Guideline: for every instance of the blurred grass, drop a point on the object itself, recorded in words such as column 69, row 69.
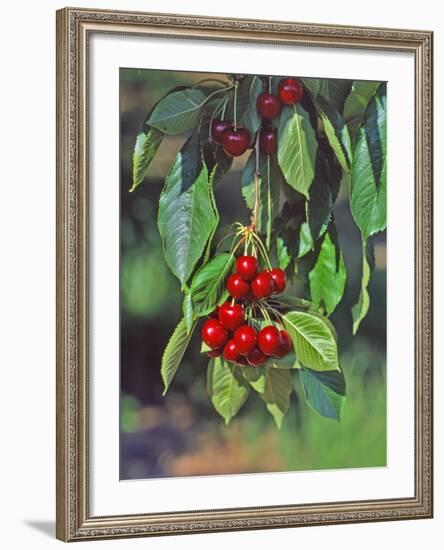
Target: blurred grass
column 181, row 434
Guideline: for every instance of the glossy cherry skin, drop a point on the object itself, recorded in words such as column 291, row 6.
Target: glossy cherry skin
column 268, row 105
column 285, row 345
column 236, row 141
column 245, row 339
column 290, row 91
column 231, row 316
column 215, row 352
column 214, row 334
column 241, row 361
column 268, row 141
column 268, row 340
column 247, row 267
column 279, row 280
column 256, row 358
column 262, row 285
column 230, row 351
column 237, row 287
column 218, row 128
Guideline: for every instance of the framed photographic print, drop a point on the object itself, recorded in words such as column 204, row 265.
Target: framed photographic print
column 244, row 274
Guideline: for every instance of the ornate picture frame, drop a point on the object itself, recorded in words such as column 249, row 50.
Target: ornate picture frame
column 74, row 28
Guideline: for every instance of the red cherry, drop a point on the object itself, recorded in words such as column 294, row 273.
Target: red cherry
column 235, row 141
column 230, row 351
column 256, row 358
column 214, row 334
column 285, row 344
column 231, row 316
column 268, row 105
column 290, row 91
column 268, row 141
column 247, row 266
column 215, row 352
column 279, row 279
column 218, row 127
column 262, row 285
column 269, row 340
column 241, row 361
column 245, row 339
column 237, row 287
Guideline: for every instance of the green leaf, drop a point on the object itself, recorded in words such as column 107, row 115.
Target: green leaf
column 255, row 377
column 328, row 276
column 324, row 391
column 178, row 112
column 313, row 340
column 320, row 202
column 174, row 351
column 356, row 104
column 284, row 258
column 186, row 214
column 360, row 310
column 369, row 170
column 333, row 90
column 147, row 143
column 188, row 314
column 277, row 393
column 227, row 389
column 336, row 132
column 208, row 285
column 297, row 148
column 270, row 182
column 249, row 89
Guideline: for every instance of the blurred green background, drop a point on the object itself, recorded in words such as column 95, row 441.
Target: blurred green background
column 181, row 434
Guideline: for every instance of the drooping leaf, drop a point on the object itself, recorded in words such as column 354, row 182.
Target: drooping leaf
column 227, row 389
column 147, row 143
column 324, row 391
column 356, row 104
column 327, row 277
column 369, row 170
column 174, row 351
column 250, row 88
column 186, row 214
column 187, row 308
column 178, row 112
column 333, row 90
column 336, row 132
column 269, row 184
column 284, row 258
column 297, row 146
column 313, row 340
column 255, row 377
column 277, row 392
column 360, row 309
column 208, row 285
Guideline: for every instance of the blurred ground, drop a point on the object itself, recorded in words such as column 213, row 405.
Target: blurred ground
column 181, row 434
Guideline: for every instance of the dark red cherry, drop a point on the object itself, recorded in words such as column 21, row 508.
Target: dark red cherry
column 290, row 91
column 215, row 352
column 218, row 127
column 245, row 339
column 279, row 280
column 285, row 345
column 268, row 141
column 268, row 105
column 268, row 340
column 235, row 141
column 230, row 351
column 256, row 358
column 262, row 285
column 247, row 267
column 237, row 287
column 231, row 316
column 214, row 334
column 241, row 361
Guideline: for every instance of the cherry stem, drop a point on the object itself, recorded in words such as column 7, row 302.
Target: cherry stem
column 236, row 85
column 269, row 84
column 256, row 185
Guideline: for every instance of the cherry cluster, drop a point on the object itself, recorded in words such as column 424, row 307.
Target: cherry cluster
column 227, row 331
column 235, row 140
